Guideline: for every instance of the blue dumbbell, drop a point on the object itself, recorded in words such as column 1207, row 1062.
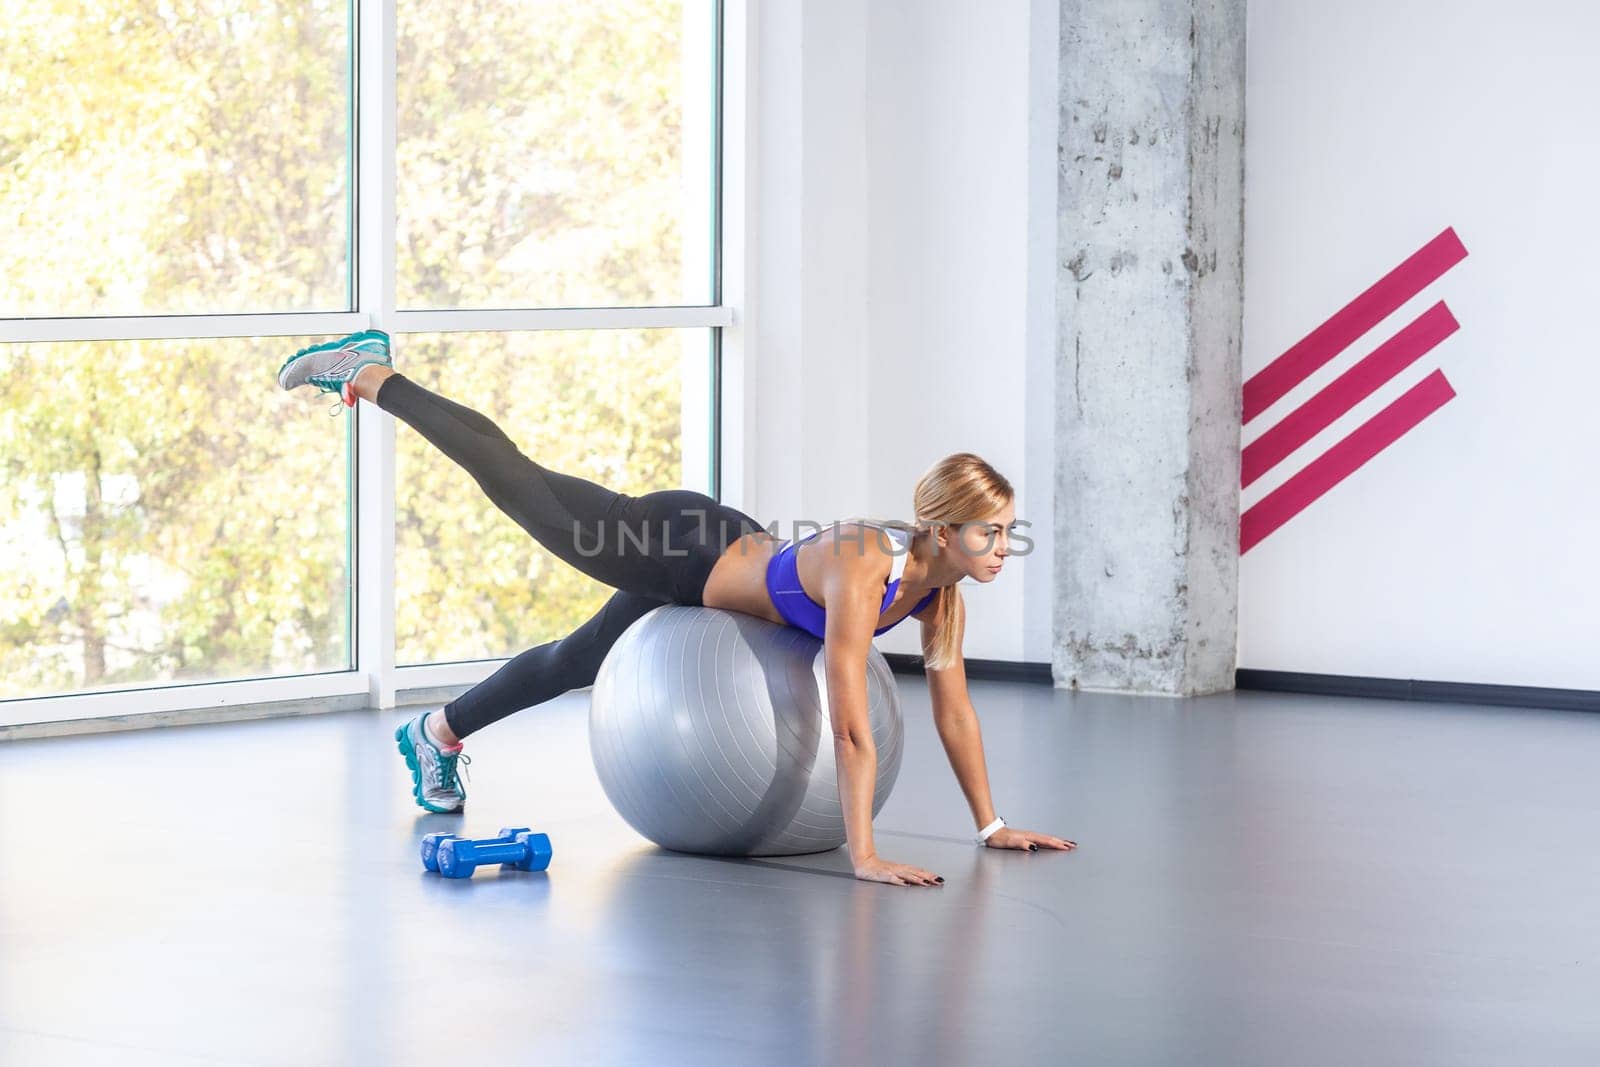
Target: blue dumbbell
column 526, row 851
column 430, row 844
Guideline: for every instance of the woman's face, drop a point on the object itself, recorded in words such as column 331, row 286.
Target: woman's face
column 980, row 547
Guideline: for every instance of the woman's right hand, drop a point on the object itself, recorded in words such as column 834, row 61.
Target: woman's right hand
column 877, row 869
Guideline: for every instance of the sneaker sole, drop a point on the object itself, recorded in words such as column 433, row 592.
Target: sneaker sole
column 329, row 346
column 409, row 751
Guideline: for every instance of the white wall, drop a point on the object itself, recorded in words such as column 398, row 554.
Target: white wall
column 898, row 306
column 900, row 276
column 1467, row 550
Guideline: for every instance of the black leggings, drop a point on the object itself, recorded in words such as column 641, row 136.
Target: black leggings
column 654, row 549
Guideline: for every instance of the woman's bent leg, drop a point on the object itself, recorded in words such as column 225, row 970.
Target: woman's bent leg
column 547, row 670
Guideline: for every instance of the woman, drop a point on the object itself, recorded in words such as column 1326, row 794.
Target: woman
column 682, row 547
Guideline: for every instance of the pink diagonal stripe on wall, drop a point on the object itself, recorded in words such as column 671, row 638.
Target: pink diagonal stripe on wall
column 1343, row 459
column 1271, row 382
column 1346, row 391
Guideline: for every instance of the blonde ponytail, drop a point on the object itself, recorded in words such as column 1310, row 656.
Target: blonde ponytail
column 949, row 616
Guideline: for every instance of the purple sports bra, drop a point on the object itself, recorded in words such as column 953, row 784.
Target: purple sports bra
column 792, row 602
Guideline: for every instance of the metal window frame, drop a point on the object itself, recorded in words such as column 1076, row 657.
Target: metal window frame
column 375, row 675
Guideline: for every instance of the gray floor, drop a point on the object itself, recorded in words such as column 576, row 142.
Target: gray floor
column 1261, row 880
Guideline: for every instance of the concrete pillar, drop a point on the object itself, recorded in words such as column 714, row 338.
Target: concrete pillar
column 1149, row 279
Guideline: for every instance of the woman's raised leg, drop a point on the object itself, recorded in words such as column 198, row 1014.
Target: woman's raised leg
column 586, row 525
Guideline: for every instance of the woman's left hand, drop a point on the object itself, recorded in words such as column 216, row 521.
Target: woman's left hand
column 1027, row 840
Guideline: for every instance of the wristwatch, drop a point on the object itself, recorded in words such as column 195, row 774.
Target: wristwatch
column 983, row 835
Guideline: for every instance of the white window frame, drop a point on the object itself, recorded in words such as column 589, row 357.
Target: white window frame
column 376, row 682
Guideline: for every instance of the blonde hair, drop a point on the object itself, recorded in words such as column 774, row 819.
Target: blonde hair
column 959, row 488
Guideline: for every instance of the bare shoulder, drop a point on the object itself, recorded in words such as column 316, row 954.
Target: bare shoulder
column 849, row 555
column 858, row 541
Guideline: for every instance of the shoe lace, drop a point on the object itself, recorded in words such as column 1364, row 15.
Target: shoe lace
column 447, row 768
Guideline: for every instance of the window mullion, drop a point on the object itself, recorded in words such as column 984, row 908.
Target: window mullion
column 375, row 300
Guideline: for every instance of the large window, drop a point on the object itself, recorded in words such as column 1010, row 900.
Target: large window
column 165, row 516
column 181, row 157
column 555, row 154
column 524, row 195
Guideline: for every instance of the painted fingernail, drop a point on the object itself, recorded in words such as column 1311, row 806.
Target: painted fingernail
column 939, row 879
column 1033, row 848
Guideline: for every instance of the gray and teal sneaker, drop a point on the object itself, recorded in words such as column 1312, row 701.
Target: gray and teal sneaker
column 332, row 365
column 434, row 783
